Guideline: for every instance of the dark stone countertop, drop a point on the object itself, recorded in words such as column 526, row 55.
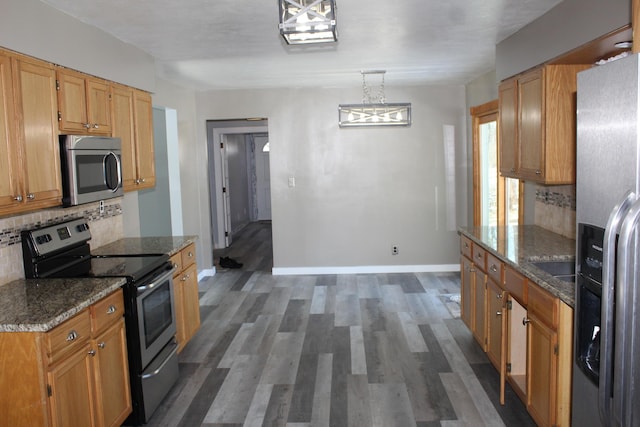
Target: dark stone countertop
column 145, row 245
column 521, row 246
column 38, row 305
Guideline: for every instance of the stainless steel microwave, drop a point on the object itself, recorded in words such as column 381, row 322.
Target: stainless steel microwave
column 91, row 169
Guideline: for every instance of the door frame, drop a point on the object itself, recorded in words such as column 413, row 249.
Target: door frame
column 216, row 180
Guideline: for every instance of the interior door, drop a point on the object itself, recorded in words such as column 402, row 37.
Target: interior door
column 263, row 180
column 226, row 205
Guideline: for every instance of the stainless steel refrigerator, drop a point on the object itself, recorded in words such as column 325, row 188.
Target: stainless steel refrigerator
column 606, row 377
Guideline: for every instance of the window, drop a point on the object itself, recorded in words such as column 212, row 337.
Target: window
column 496, row 200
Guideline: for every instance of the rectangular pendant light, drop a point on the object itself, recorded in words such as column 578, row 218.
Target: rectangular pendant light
column 398, row 114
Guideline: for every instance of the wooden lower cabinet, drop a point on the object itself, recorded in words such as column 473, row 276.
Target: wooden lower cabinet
column 186, row 295
column 75, row 375
column 526, row 332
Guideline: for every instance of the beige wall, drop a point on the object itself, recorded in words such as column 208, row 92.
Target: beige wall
column 358, row 191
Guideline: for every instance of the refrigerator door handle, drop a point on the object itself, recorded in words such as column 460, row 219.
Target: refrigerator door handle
column 622, row 381
column 607, row 315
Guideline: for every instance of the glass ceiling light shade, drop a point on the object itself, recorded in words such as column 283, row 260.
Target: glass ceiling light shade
column 308, row 21
column 374, row 110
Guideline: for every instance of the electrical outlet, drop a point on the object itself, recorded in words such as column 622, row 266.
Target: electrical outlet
column 394, row 250
column 101, row 207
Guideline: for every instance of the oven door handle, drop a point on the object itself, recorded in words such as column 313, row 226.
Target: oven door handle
column 156, row 280
column 118, row 171
column 162, row 365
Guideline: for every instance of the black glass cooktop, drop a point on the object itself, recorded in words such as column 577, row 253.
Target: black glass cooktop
column 134, row 267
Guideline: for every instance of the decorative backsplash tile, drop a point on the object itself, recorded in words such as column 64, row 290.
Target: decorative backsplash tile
column 555, row 209
column 106, row 227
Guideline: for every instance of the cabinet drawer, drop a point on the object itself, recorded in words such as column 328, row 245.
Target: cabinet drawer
column 480, row 257
column 107, row 311
column 188, row 255
column 176, row 261
column 465, row 246
column 69, row 335
column 495, row 269
column 516, row 284
column 544, row 305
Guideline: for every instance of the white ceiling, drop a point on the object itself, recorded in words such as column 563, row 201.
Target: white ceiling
column 231, row 44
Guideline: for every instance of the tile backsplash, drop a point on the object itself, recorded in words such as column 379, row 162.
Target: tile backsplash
column 555, row 209
column 106, row 227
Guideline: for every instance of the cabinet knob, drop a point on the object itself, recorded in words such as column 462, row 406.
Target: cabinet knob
column 499, row 296
column 498, row 313
column 142, row 180
column 513, row 170
column 525, row 321
column 92, row 352
column 31, row 196
column 185, row 277
column 95, row 126
column 538, row 172
column 494, row 268
column 102, row 345
column 175, row 265
column 190, row 254
column 72, row 336
column 111, row 309
column 86, row 125
column 18, row 198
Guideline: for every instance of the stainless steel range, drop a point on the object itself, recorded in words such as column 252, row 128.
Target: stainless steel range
column 62, row 250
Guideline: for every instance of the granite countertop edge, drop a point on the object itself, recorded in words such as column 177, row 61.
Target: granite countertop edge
column 50, row 309
column 524, row 263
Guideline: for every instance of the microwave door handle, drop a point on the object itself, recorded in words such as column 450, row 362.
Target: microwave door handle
column 607, row 314
column 627, row 250
column 118, row 171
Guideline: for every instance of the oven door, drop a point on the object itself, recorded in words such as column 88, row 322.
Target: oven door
column 156, row 315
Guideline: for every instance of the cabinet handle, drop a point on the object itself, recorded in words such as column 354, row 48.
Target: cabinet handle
column 72, row 335
column 494, row 268
column 95, row 126
column 31, row 196
column 525, row 321
column 190, row 254
column 472, row 270
column 175, row 265
column 92, row 352
column 498, row 313
column 142, row 180
column 86, row 125
column 111, row 309
column 538, row 172
column 101, row 345
column 513, row 169
column 499, row 296
column 185, row 277
column 18, row 198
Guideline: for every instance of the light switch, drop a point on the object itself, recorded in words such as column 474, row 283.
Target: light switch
column 292, row 181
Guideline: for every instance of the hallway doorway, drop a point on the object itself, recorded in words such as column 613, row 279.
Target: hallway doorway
column 239, row 177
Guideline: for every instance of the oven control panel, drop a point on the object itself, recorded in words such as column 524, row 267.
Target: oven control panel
column 51, row 238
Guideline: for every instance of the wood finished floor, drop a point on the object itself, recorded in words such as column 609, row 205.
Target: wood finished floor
column 336, row 350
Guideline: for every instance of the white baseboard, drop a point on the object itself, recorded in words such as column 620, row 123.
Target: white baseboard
column 366, row 269
column 206, row 273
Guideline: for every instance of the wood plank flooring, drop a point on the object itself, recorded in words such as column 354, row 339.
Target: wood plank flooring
column 340, row 350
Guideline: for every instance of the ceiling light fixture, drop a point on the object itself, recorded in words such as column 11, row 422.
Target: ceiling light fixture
column 308, row 21
column 374, row 110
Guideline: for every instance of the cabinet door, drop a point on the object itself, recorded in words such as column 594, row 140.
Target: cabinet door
column 187, row 305
column 72, row 102
column 38, row 133
column 531, row 126
column 479, row 296
column 542, row 362
column 466, row 279
column 122, row 127
column 98, row 106
column 508, row 107
column 143, row 114
column 111, row 370
column 496, row 331
column 72, row 400
column 10, row 170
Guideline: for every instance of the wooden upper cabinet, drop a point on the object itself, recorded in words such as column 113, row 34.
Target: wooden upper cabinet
column 83, row 103
column 143, row 113
column 132, row 115
column 508, row 106
column 36, row 136
column 538, row 121
column 9, row 157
